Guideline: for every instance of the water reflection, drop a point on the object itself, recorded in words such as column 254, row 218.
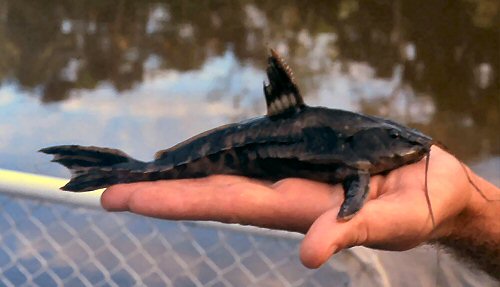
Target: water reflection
column 432, row 65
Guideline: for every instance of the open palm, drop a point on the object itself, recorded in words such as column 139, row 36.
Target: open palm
column 395, row 217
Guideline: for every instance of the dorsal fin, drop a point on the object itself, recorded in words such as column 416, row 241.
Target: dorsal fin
column 282, row 94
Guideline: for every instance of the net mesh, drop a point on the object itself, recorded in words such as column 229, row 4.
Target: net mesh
column 49, row 244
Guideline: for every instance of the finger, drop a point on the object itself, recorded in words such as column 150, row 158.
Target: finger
column 206, row 199
column 383, row 224
column 115, row 198
column 293, row 204
column 308, row 195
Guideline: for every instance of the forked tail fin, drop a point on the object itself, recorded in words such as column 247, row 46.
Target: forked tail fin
column 93, row 167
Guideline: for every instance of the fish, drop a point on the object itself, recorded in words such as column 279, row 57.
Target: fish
column 292, row 140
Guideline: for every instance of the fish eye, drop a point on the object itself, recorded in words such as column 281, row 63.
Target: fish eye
column 394, row 133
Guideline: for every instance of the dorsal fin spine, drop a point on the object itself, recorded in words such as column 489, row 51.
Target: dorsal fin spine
column 282, row 93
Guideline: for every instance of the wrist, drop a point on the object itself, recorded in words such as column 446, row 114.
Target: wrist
column 474, row 234
column 479, row 211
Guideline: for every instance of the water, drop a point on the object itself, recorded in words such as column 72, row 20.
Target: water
column 143, row 75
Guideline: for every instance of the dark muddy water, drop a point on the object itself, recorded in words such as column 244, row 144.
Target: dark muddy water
column 143, row 75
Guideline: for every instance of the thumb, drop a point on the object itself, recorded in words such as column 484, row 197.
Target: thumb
column 327, row 236
column 379, row 224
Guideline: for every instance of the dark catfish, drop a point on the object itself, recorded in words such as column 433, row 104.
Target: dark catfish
column 292, row 140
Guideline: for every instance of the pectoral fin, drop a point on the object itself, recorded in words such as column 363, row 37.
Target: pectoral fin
column 355, row 189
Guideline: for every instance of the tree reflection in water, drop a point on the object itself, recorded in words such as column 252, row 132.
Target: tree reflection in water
column 448, row 50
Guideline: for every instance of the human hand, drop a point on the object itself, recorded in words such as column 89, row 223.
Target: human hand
column 395, row 217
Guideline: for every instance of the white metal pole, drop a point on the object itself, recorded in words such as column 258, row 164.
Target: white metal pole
column 35, row 186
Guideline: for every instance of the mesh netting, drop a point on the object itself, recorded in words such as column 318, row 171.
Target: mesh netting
column 48, row 244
